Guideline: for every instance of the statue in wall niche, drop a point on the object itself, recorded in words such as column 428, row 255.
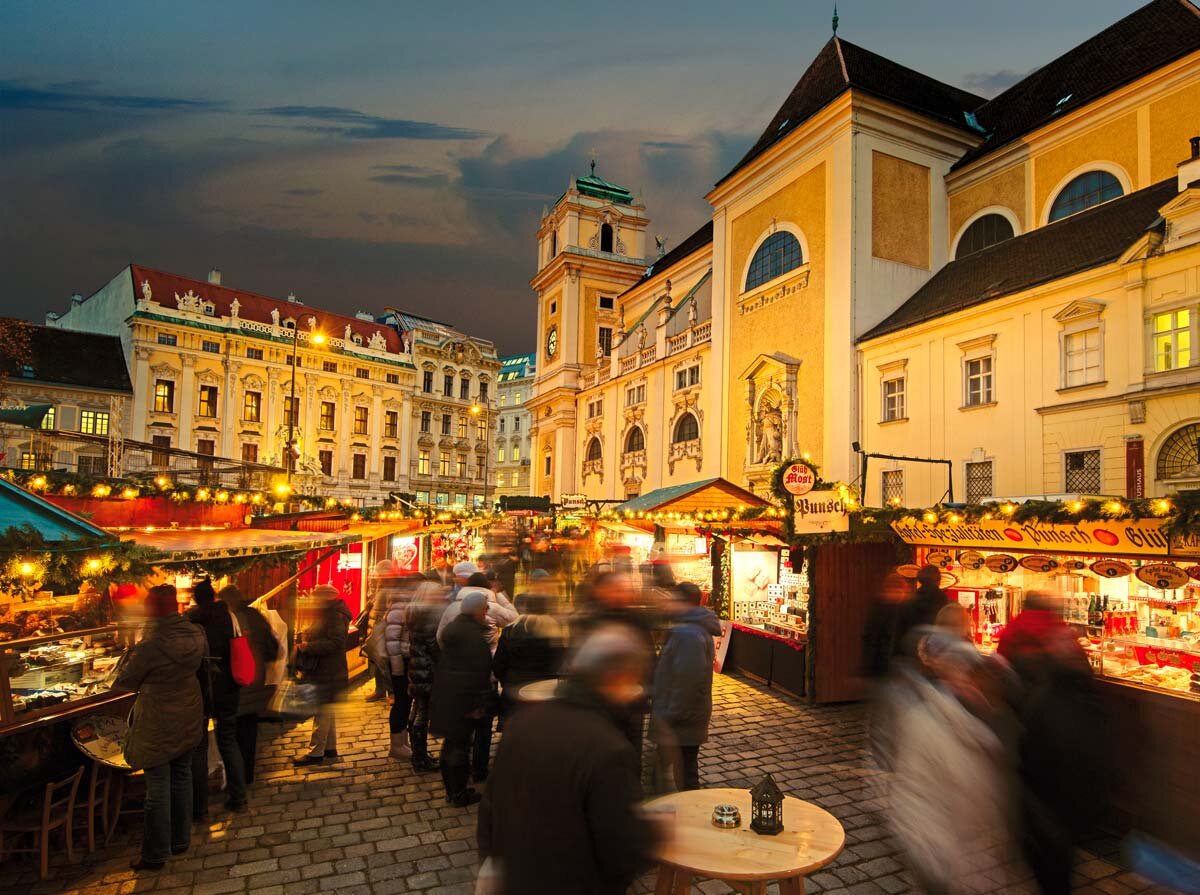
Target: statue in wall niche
column 770, row 437
column 405, row 341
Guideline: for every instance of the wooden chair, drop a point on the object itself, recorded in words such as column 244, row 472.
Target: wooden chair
column 99, row 786
column 58, row 810
column 122, row 801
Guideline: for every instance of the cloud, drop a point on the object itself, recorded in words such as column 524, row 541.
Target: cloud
column 75, row 96
column 409, row 175
column 990, row 83
column 304, row 191
column 667, row 144
column 355, row 125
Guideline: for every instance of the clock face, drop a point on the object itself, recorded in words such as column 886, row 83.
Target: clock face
column 552, row 342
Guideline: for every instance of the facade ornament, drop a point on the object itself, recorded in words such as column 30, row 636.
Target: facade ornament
column 275, row 316
column 692, row 311
column 347, row 336
column 147, row 293
column 770, row 436
column 406, row 341
column 642, row 336
column 234, row 307
column 189, row 301
column 377, row 342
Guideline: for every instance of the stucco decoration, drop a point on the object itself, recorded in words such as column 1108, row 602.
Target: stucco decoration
column 378, row 342
column 235, row 307
column 275, row 316
column 189, row 301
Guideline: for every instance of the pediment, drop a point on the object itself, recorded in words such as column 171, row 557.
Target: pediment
column 767, row 365
column 1079, row 310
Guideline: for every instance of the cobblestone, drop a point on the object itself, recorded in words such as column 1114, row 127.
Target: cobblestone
column 366, row 826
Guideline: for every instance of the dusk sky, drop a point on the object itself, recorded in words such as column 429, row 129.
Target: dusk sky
column 372, row 154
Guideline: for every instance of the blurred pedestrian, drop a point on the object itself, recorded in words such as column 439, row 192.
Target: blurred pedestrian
column 681, row 703
column 560, row 814
column 399, row 649
column 254, row 697
column 922, row 609
column 165, row 725
column 384, row 582
column 421, row 620
column 215, row 618
column 530, row 649
column 462, row 688
column 500, row 610
column 321, row 660
column 953, row 618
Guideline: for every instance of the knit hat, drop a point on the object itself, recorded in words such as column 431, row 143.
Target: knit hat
column 465, row 569
column 325, row 592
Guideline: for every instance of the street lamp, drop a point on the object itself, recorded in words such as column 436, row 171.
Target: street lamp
column 314, row 338
column 476, row 410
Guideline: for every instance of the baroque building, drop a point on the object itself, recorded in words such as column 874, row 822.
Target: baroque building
column 876, row 201
column 513, row 446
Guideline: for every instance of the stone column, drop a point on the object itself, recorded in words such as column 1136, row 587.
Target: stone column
column 346, row 425
column 187, row 402
column 143, row 393
column 230, row 412
column 750, row 445
column 791, row 430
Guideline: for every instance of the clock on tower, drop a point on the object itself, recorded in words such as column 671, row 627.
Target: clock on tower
column 552, row 342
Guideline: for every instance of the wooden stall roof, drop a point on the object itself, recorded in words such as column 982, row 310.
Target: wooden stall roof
column 20, row 507
column 706, row 494
column 222, row 543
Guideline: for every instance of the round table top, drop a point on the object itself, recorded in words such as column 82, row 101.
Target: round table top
column 811, row 838
column 102, row 738
column 538, row 691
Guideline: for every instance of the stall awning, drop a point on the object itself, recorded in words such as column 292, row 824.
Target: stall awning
column 623, row 528
column 763, row 540
column 706, row 494
column 199, row 545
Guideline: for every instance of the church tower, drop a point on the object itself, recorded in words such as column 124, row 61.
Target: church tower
column 591, row 247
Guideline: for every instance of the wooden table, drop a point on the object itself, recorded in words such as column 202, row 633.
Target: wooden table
column 538, row 691
column 811, row 838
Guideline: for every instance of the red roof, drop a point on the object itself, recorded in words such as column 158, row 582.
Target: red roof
column 252, row 306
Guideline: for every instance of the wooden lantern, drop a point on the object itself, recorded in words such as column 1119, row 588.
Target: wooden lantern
column 766, row 807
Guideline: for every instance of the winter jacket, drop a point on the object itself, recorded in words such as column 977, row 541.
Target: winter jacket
column 462, row 681
column 168, row 714
column 683, row 676
column 530, row 649
column 326, row 640
column 213, row 619
column 560, row 814
column 254, row 696
column 500, row 612
column 921, row 611
column 395, row 632
column 421, row 622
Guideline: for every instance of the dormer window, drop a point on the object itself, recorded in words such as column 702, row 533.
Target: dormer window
column 210, row 310
column 289, row 323
column 358, row 339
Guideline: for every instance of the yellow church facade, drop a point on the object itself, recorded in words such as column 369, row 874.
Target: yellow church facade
column 888, row 247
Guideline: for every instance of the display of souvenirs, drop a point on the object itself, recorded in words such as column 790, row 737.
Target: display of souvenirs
column 53, row 615
column 60, row 671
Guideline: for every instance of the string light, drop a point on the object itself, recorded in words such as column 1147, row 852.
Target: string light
column 1008, row 509
column 931, row 518
column 129, row 493
column 1075, row 506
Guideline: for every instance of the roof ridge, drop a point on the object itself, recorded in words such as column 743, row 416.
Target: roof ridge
column 908, row 68
column 837, row 43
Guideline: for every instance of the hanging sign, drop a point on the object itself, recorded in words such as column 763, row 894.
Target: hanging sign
column 821, row 512
column 1186, row 544
column 1036, row 563
column 1073, row 565
column 939, row 558
column 1000, row 563
column 1162, row 575
column 1193, row 571
column 909, row 570
column 798, row 479
column 1111, row 568
column 971, row 560
column 1135, row 468
column 573, row 501
column 1131, row 537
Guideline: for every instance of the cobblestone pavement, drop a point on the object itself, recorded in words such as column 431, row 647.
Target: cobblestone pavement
column 367, row 826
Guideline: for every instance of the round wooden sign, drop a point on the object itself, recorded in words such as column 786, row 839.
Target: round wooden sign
column 799, row 479
column 939, row 558
column 1162, row 575
column 1111, row 568
column 1039, row 563
column 1193, row 571
column 909, row 570
column 971, row 559
column 1073, row 565
column 1000, row 563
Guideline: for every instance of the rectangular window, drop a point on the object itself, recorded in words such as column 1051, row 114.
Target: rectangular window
column 460, row 500
column 87, row 464
column 979, row 481
column 427, row 382
column 483, row 393
column 448, row 386
column 607, row 302
column 423, row 462
column 516, row 452
column 426, row 420
column 93, row 422
column 389, row 469
column 1172, row 340
column 546, row 465
column 160, row 457
column 361, row 418
column 462, row 427
column 358, row 466
column 595, row 408
column 423, row 497
column 517, row 424
column 978, row 384
column 635, row 394
column 503, row 399
column 299, row 360
column 604, row 337
column 291, row 411
column 49, row 420
column 1082, row 472
column 329, row 366
column 464, row 388
column 325, row 458
column 500, row 479
column 446, row 423
column 444, row 465
column 210, row 347
column 328, row 415
column 516, row 398
column 391, row 424
column 893, row 487
column 500, row 454
column 164, row 396
column 481, row 429
column 252, row 407
column 1081, row 358
column 501, row 426
column 254, row 353
column 167, row 339
column 460, row 464
column 208, row 401
column 28, row 460
column 208, row 447
column 393, row 378
column 443, row 499
column 894, row 405
column 688, row 377
column 249, row 453
column 362, row 372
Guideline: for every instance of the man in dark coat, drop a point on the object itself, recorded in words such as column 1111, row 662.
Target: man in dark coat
column 321, row 660
column 560, row 813
column 922, row 609
column 213, row 616
column 530, row 649
column 462, row 687
column 421, row 620
column 682, row 699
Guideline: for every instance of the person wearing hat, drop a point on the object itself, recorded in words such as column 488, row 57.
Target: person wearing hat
column 321, row 660
column 462, row 688
column 384, row 583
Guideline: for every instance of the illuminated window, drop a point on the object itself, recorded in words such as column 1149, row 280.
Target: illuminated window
column 360, row 420
column 93, row 422
column 208, row 401
column 1085, row 191
column 1172, row 334
column 462, row 427
column 460, row 465
column 48, row 421
column 516, row 452
column 328, row 416
column 443, row 464
column 500, row 454
column 252, row 407
column 423, row 462
column 359, row 466
column 391, row 424
column 164, row 396
column 779, row 254
column 291, row 411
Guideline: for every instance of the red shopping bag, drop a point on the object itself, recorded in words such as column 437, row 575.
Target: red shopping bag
column 241, row 657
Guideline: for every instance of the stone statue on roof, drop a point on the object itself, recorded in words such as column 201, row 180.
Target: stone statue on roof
column 275, row 316
column 347, row 336
column 147, row 294
column 642, row 335
column 234, row 307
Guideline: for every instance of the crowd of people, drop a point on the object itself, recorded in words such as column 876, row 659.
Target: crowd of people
column 1000, row 752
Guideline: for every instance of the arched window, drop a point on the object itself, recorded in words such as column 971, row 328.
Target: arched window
column 553, row 243
column 687, row 429
column 985, row 231
column 1180, row 454
column 1085, row 191
column 775, row 257
column 635, row 440
column 606, row 237
column 594, row 451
